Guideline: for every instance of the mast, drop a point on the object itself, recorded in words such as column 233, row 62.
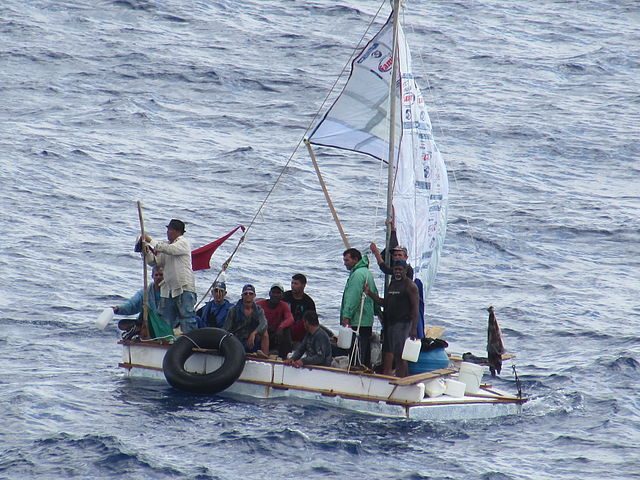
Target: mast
column 392, row 132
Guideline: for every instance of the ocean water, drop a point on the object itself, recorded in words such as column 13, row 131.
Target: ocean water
column 195, row 108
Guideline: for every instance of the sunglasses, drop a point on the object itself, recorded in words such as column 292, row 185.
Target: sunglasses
column 248, row 293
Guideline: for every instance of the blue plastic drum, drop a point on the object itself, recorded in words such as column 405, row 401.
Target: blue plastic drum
column 428, row 361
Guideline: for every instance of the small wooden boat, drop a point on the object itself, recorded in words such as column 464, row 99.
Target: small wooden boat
column 380, row 113
column 363, row 392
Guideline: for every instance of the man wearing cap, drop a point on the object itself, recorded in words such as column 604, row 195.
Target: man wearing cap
column 400, row 317
column 214, row 312
column 247, row 322
column 398, row 252
column 279, row 320
column 178, row 291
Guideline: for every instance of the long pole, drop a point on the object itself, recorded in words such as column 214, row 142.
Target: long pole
column 144, row 332
column 392, row 130
column 334, row 214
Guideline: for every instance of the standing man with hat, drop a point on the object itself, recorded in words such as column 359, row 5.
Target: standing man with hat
column 178, row 291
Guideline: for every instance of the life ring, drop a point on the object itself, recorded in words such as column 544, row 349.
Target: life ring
column 211, row 338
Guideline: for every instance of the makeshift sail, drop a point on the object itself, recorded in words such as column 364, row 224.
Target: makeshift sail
column 359, row 120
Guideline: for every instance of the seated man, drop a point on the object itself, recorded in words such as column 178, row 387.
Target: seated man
column 279, row 320
column 315, row 348
column 246, row 321
column 214, row 312
column 299, row 302
column 133, row 306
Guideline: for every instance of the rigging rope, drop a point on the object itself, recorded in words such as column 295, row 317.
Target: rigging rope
column 311, row 123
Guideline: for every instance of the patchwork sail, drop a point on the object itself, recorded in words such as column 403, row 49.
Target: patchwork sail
column 359, row 121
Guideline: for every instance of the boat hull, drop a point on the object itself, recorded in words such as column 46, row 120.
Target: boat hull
column 367, row 393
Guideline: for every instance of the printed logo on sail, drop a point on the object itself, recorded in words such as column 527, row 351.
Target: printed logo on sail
column 372, row 50
column 409, row 98
column 385, row 64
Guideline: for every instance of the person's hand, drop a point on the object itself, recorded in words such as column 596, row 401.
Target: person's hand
column 374, row 248
column 287, row 361
column 297, row 363
column 147, row 238
column 251, row 340
column 344, row 322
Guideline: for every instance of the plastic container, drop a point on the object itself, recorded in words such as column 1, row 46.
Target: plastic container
column 104, row 318
column 411, row 350
column 345, row 334
column 471, row 376
column 434, row 359
column 454, row 388
column 435, row 387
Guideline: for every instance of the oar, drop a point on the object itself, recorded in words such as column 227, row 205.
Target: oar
column 144, row 331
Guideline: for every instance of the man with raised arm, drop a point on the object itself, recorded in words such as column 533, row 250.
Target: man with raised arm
column 178, row 291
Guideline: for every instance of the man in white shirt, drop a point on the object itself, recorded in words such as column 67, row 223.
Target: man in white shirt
column 178, row 291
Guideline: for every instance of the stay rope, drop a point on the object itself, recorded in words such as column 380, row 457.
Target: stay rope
column 297, row 146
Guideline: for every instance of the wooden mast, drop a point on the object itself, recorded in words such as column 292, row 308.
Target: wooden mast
column 392, row 133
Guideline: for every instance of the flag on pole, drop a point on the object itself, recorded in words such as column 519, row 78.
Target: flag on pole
column 200, row 257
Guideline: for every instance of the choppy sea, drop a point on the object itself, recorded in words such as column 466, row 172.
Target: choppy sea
column 195, row 107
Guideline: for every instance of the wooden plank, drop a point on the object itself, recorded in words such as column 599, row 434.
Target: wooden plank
column 129, row 366
column 420, row 377
column 505, row 357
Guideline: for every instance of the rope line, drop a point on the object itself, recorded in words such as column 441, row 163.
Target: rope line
column 311, row 123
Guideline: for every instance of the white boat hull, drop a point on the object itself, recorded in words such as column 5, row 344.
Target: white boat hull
column 368, row 393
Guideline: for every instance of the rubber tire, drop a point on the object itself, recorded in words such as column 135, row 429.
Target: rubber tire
column 213, row 338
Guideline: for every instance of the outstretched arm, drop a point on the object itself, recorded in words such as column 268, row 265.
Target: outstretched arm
column 373, row 295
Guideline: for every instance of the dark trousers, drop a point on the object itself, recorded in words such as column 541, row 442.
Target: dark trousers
column 281, row 341
column 364, row 344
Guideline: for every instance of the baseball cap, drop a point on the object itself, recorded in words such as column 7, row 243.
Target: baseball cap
column 277, row 285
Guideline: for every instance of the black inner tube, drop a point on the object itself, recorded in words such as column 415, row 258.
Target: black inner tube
column 210, row 338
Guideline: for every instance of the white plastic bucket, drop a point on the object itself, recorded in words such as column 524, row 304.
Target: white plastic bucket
column 435, row 387
column 411, row 350
column 104, row 318
column 454, row 388
column 471, row 376
column 344, row 337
